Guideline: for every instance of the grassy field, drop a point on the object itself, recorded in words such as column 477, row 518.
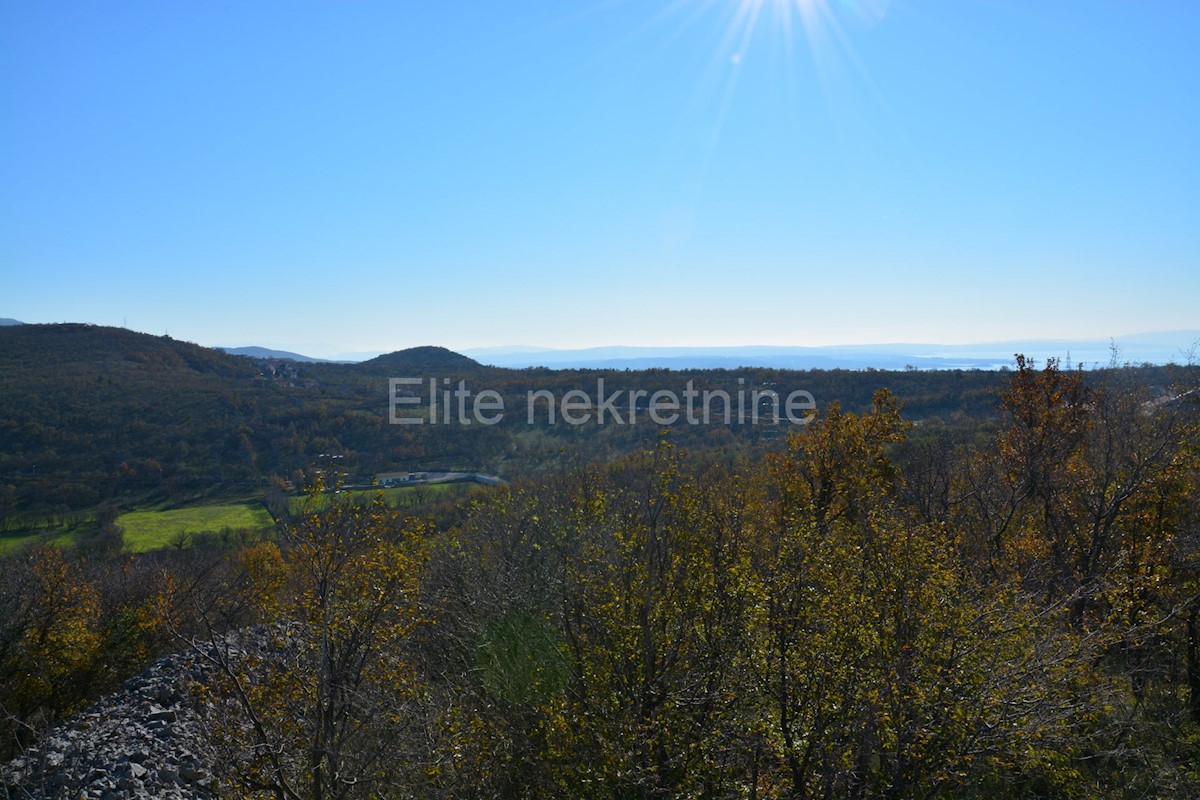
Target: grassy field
column 61, row 536
column 151, row 529
column 148, row 530
column 397, row 496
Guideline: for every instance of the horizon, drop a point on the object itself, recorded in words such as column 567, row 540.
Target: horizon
column 1158, row 347
column 681, row 173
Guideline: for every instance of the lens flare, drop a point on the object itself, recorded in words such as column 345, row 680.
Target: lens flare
column 810, row 36
column 820, row 23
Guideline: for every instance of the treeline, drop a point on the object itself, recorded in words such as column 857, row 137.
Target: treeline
column 96, row 418
column 871, row 610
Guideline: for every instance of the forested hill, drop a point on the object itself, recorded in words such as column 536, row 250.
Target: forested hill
column 48, row 347
column 416, row 361
column 94, row 415
column 54, row 352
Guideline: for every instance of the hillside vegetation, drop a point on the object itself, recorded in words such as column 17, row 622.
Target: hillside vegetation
column 865, row 608
column 96, row 420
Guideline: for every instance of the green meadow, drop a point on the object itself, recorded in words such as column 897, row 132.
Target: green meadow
column 59, row 535
column 150, row 529
column 147, row 530
column 396, row 496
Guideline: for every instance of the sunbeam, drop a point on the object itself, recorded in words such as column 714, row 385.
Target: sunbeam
column 745, row 29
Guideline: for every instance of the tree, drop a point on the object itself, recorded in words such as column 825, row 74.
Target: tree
column 657, row 611
column 50, row 642
column 885, row 670
column 322, row 702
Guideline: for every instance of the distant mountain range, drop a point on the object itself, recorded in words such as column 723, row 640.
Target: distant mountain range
column 264, row 352
column 1144, row 348
column 1161, row 347
column 1154, row 348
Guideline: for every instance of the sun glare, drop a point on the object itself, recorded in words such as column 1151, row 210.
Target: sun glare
column 816, row 27
column 821, row 20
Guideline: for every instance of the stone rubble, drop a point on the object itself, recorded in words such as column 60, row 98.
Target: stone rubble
column 144, row 741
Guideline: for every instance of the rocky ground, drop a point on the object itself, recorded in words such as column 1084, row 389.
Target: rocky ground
column 145, row 741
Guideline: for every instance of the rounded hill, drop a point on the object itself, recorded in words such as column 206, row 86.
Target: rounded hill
column 419, row 360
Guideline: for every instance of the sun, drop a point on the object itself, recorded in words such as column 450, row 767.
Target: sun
column 815, row 26
column 753, row 38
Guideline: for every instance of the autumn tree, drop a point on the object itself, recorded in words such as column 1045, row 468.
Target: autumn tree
column 657, row 613
column 321, row 703
column 50, row 642
column 886, row 669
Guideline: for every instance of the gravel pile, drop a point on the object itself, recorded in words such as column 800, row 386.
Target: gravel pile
column 145, row 741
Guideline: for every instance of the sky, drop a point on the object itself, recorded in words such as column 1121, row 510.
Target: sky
column 350, row 176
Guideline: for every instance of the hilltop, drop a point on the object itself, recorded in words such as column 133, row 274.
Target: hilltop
column 417, row 361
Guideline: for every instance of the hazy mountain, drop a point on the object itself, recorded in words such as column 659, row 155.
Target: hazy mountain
column 7, row 321
column 264, row 352
column 1154, row 348
column 506, row 350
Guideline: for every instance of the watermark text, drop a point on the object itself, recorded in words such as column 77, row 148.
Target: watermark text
column 444, row 401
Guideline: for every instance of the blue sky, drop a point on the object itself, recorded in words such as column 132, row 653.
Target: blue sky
column 355, row 175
